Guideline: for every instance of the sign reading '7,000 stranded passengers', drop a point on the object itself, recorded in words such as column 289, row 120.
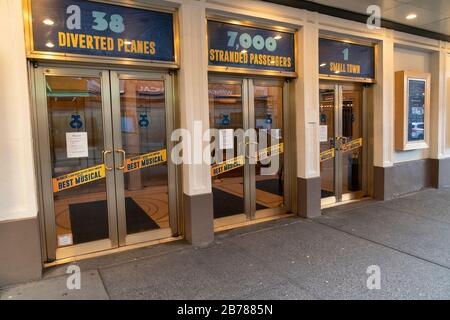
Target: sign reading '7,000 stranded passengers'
column 237, row 46
column 98, row 29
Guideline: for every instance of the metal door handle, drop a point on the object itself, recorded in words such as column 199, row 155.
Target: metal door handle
column 104, row 153
column 338, row 142
column 248, row 156
column 124, row 155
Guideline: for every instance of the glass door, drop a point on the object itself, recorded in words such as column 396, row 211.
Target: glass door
column 75, row 152
column 228, row 117
column 266, row 102
column 103, row 147
column 142, row 117
column 247, row 172
column 341, row 139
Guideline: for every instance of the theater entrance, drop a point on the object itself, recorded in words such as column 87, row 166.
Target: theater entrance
column 103, row 147
column 342, row 138
column 250, row 169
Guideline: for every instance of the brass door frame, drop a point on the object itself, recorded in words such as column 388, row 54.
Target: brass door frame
column 112, row 139
column 41, row 119
column 247, row 95
column 339, row 88
column 124, row 238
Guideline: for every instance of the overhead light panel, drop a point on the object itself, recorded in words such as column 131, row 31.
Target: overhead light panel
column 48, row 22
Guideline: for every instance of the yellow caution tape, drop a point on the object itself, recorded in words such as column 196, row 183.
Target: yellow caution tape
column 91, row 174
column 227, row 165
column 145, row 160
column 327, row 155
column 239, row 161
column 354, row 144
column 78, row 178
column 271, row 151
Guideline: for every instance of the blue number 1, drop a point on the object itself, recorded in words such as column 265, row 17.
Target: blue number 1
column 345, row 52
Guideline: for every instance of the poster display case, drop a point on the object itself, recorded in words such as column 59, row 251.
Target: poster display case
column 412, row 110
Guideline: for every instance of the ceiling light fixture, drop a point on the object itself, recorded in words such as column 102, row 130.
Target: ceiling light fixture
column 48, row 22
column 411, row 16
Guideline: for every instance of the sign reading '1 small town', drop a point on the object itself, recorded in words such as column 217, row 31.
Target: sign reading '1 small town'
column 98, row 29
column 338, row 58
column 238, row 46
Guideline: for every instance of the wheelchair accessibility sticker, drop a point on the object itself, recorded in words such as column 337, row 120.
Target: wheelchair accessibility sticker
column 144, row 121
column 76, row 121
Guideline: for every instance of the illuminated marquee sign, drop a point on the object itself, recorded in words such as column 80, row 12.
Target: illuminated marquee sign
column 343, row 59
column 237, row 46
column 80, row 27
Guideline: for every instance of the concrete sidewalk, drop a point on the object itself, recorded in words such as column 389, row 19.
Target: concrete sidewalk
column 292, row 258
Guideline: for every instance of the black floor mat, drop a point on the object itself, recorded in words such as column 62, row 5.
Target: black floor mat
column 227, row 204
column 137, row 219
column 273, row 186
column 326, row 194
column 89, row 220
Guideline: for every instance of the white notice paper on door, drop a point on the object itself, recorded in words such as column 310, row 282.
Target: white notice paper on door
column 77, row 144
column 323, row 133
column 65, row 240
column 226, row 139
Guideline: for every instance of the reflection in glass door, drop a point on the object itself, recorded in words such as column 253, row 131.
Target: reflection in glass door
column 226, row 114
column 248, row 177
column 269, row 169
column 142, row 177
column 327, row 141
column 341, row 142
column 103, row 146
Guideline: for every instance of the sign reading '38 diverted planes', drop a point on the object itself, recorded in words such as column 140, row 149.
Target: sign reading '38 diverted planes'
column 88, row 28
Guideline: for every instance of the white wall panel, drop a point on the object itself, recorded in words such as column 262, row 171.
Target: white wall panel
column 18, row 198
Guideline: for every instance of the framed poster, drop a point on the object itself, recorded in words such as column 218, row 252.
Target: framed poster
column 412, row 110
